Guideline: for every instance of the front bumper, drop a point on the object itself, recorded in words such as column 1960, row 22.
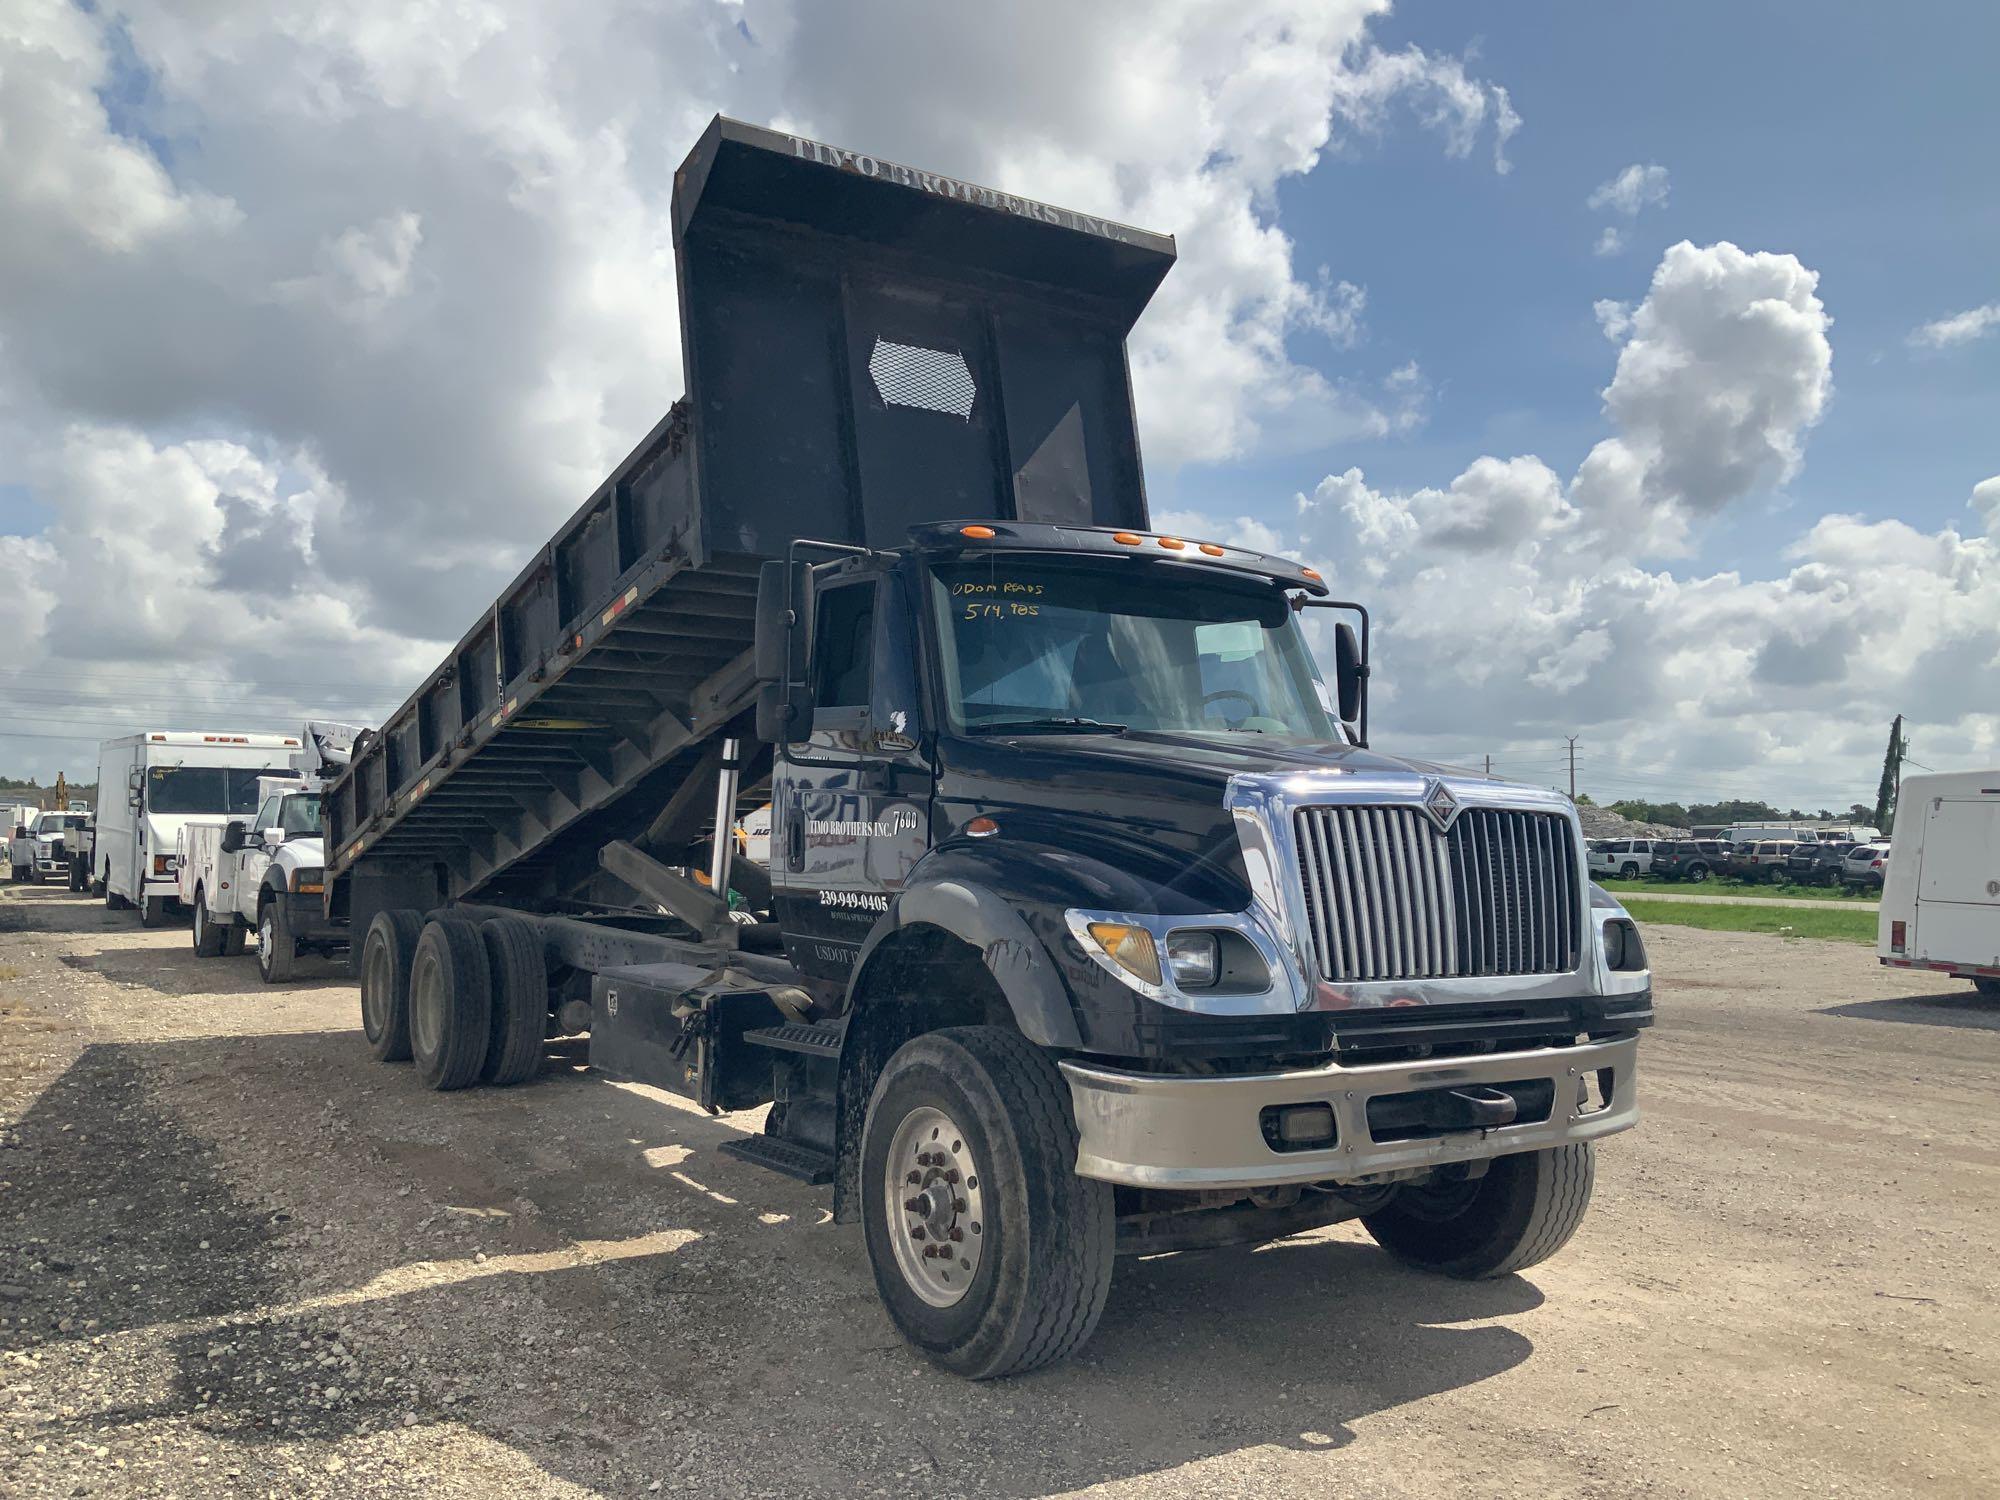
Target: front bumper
column 1183, row 1131
column 305, row 917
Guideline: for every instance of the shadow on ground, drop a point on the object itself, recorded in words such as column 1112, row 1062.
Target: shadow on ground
column 716, row 1327
column 1964, row 1008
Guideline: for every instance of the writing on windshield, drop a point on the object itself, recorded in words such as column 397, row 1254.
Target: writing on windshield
column 1028, row 642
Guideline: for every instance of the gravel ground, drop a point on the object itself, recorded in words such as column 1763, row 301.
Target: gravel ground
column 238, row 1257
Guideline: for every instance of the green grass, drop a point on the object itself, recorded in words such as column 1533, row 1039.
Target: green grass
column 1836, row 925
column 1719, row 885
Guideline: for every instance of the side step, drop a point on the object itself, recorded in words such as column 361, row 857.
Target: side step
column 822, row 1040
column 802, row 1162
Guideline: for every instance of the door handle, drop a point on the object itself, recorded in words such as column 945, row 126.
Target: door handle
column 795, row 837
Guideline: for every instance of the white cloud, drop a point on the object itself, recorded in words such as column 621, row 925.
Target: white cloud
column 1638, row 186
column 1610, row 242
column 1443, row 95
column 1513, row 610
column 1959, row 328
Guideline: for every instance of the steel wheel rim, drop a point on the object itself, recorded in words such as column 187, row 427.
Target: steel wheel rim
column 426, row 1008
column 1439, row 1203
column 264, row 943
column 200, row 922
column 374, row 985
column 934, row 1199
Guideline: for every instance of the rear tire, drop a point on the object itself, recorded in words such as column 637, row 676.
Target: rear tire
column 1988, row 987
column 520, row 1010
column 112, row 900
column 1628, row 871
column 153, row 911
column 233, row 937
column 209, row 939
column 1520, row 1213
column 386, row 956
column 983, row 1119
column 1697, row 872
column 451, row 1004
column 277, row 949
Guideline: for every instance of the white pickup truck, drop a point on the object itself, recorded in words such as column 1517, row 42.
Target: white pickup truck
column 265, row 877
column 39, row 848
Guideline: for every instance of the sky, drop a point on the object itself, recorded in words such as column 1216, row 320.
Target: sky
column 1638, row 366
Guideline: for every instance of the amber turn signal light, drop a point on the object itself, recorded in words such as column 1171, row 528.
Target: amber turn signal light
column 978, row 533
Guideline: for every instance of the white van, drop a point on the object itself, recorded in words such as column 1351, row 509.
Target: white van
column 1941, row 891
column 151, row 785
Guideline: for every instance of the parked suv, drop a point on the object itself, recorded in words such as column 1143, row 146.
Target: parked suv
column 1765, row 859
column 1863, row 866
column 1689, row 859
column 1817, row 863
column 1628, row 858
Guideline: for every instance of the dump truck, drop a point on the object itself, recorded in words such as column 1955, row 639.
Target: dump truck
column 1091, row 925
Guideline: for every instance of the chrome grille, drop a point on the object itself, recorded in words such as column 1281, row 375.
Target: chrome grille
column 1389, row 897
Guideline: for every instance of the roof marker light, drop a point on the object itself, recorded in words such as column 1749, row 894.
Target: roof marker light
column 1312, row 573
column 1126, row 538
column 1211, row 549
column 1173, row 543
column 978, row 533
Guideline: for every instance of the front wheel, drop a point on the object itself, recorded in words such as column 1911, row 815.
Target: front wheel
column 1520, row 1213
column 991, row 1255
column 277, row 950
column 153, row 911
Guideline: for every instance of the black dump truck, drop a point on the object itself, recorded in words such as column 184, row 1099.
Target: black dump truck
column 1090, row 925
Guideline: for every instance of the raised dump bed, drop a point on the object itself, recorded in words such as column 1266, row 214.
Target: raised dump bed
column 867, row 347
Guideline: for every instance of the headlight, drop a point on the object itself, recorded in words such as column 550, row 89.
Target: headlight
column 1131, row 948
column 1195, row 958
column 165, row 864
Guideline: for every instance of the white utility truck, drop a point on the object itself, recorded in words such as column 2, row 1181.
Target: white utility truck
column 151, row 784
column 1941, row 891
column 265, row 877
column 39, row 848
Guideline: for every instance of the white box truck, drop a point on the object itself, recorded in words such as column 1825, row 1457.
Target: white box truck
column 153, row 783
column 1941, row 891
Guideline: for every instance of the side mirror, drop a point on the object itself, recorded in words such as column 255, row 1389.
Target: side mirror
column 20, row 830
column 233, row 836
column 779, row 641
column 1349, row 670
column 784, row 715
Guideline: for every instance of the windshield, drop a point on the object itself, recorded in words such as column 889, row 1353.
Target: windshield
column 1034, row 643
column 298, row 815
column 202, row 789
column 58, row 822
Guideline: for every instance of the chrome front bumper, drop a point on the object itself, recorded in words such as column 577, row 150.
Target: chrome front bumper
column 1182, row 1131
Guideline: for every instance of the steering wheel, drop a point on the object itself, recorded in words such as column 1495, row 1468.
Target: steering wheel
column 1249, row 701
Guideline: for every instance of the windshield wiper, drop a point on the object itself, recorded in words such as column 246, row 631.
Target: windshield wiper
column 1045, row 726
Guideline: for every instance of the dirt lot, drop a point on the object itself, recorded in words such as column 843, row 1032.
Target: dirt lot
column 238, row 1257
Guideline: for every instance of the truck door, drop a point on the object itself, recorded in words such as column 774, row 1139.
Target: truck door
column 1958, row 882
column 254, row 860
column 850, row 806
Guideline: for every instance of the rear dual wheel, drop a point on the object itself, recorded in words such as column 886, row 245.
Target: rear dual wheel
column 467, row 1002
column 210, row 938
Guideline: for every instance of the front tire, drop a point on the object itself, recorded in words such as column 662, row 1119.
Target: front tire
column 968, row 1152
column 1520, row 1213
column 451, row 1004
column 386, row 956
column 209, row 939
column 153, row 911
column 277, row 949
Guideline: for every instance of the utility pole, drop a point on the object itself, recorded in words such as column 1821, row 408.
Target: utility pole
column 1489, row 765
column 1572, row 767
column 1892, row 778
